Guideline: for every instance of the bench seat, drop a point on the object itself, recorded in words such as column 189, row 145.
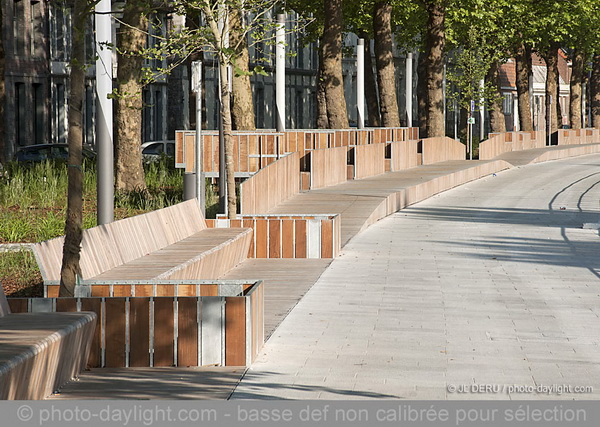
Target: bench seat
column 185, row 258
column 41, row 352
column 173, row 243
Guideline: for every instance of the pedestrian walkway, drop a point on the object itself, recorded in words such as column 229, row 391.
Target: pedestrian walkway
column 361, row 286
column 494, row 283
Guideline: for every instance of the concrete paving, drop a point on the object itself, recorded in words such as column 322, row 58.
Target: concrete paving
column 494, row 283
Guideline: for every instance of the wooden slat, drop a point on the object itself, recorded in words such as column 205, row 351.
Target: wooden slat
column 163, row 332
column 250, row 223
column 261, row 239
column 326, row 239
column 139, row 332
column 186, row 290
column 300, row 229
column 52, row 291
column 66, row 304
column 187, row 339
column 209, row 290
column 114, row 332
column 121, row 291
column 95, row 305
column 235, row 331
column 17, row 305
column 274, row 238
column 287, row 238
column 100, row 290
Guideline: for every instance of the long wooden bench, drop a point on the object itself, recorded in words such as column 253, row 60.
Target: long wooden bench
column 171, row 243
column 40, row 352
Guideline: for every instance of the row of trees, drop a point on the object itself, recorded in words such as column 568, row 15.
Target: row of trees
column 478, row 35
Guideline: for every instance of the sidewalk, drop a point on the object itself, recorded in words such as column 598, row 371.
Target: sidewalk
column 493, row 283
column 361, row 204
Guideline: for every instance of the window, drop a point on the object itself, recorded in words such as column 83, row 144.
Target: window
column 37, row 29
column 19, row 32
column 21, row 114
column 507, row 104
column 60, row 34
column 39, row 119
column 60, row 113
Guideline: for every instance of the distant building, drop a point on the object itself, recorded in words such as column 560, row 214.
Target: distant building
column 538, row 92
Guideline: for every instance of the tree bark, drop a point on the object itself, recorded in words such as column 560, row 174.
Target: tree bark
column 129, row 171
column 497, row 121
column 595, row 91
column 384, row 58
column 422, row 100
column 322, row 119
column 70, row 268
column 2, row 92
column 577, row 71
column 436, row 41
column 373, row 117
column 227, row 137
column 242, row 106
column 523, row 68
column 332, row 65
column 552, row 91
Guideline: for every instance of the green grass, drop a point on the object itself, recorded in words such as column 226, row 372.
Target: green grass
column 33, row 208
column 20, row 275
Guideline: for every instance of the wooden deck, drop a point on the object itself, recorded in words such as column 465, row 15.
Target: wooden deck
column 356, row 200
column 285, row 281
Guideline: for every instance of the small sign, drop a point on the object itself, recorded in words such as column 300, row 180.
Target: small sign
column 550, row 99
column 472, row 106
column 471, row 120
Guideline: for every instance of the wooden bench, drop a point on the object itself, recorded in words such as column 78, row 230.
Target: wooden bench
column 41, row 352
column 171, row 243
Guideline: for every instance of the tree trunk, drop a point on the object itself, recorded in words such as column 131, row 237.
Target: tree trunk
column 552, row 91
column 2, row 92
column 575, row 86
column 333, row 79
column 227, row 137
column 523, row 66
column 384, row 57
column 422, row 100
column 497, row 122
column 129, row 171
column 242, row 106
column 70, row 269
column 595, row 91
column 373, row 117
column 436, row 41
column 322, row 119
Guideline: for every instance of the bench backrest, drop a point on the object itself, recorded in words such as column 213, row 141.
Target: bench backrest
column 107, row 246
column 4, row 308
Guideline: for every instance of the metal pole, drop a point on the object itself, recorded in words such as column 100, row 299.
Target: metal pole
column 280, row 72
column 482, row 112
column 224, row 29
column 104, row 114
column 471, row 142
column 360, row 83
column 200, row 192
column 409, row 88
column 549, row 113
